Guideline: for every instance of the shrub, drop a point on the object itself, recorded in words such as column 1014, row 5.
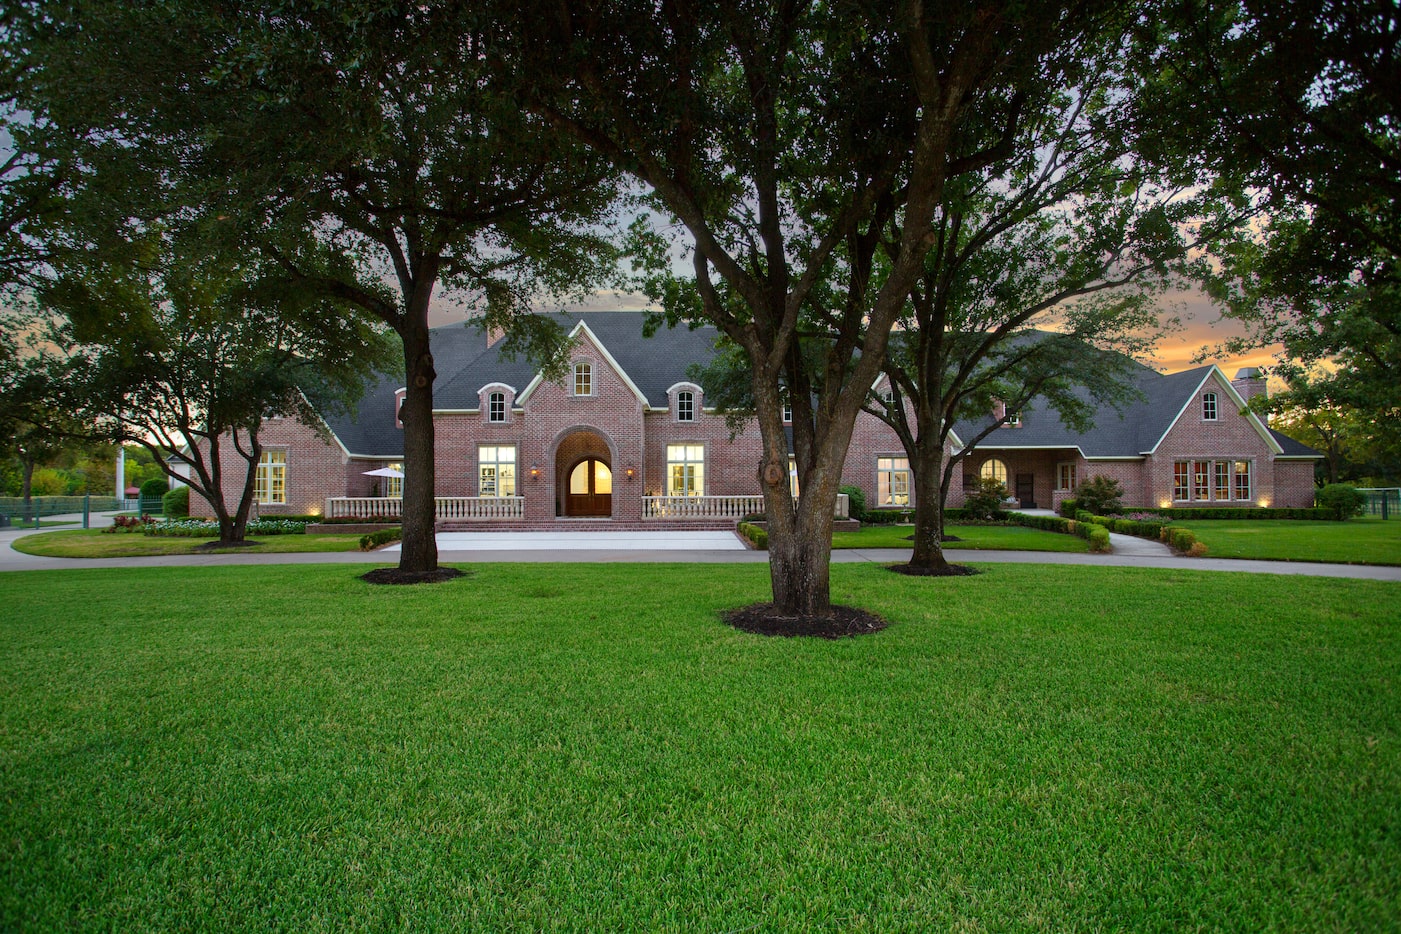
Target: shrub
column 176, row 502
column 1342, row 500
column 47, row 482
column 155, row 487
column 1238, row 512
column 1182, row 540
column 1045, row 523
column 758, row 537
column 1083, row 516
column 203, row 528
column 1099, row 538
column 1067, row 508
column 129, row 524
column 382, row 537
column 986, row 501
column 856, row 501
column 1099, row 495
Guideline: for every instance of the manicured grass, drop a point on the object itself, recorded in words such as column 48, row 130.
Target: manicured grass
column 1357, row 541
column 94, row 543
column 984, row 537
column 586, row 747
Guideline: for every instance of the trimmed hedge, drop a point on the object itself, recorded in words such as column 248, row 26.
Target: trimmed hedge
column 892, row 516
column 382, row 537
column 1239, row 512
column 1067, row 508
column 855, row 501
column 758, row 537
column 1098, row 537
column 176, row 503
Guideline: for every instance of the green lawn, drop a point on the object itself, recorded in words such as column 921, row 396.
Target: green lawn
column 94, row 543
column 586, row 747
column 985, row 537
column 1356, row 541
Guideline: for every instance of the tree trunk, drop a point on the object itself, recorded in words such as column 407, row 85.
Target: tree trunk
column 419, row 554
column 27, row 484
column 928, row 470
column 800, row 557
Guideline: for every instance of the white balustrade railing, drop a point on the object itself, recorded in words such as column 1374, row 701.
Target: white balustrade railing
column 716, row 507
column 445, row 507
column 700, row 507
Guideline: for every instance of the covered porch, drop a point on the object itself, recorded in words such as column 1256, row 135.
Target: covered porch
column 659, row 509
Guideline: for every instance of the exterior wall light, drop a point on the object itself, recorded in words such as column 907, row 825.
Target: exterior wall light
column 534, row 471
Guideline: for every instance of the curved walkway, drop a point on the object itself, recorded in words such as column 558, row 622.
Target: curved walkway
column 1128, row 552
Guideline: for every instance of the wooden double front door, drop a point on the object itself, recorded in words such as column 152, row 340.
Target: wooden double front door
column 590, row 490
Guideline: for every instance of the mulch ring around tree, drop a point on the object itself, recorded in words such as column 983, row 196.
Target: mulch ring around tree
column 396, row 576
column 225, row 546
column 948, row 570
column 760, row 618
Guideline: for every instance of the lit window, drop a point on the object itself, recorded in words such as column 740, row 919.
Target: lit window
column 271, row 483
column 793, row 475
column 1209, row 407
column 496, row 470
column 496, row 407
column 1223, row 480
column 1181, row 483
column 1242, row 480
column 583, row 379
column 685, row 406
column 685, row 470
column 1065, row 475
column 892, row 481
column 1201, row 474
column 394, row 486
column 994, row 469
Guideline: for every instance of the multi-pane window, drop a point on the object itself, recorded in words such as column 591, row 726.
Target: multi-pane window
column 394, row 486
column 787, row 413
column 1221, row 487
column 994, row 469
column 1181, row 485
column 496, row 407
column 1242, row 473
column 1201, row 480
column 685, row 406
column 1014, row 419
column 271, row 482
column 1204, row 481
column 685, row 470
column 1209, row 407
column 1065, row 475
column 892, row 481
column 496, row 470
column 583, row 379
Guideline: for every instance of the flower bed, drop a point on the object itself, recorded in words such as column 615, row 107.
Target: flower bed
column 203, row 528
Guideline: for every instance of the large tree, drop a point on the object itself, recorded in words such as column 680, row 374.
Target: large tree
column 178, row 347
column 778, row 134
column 360, row 145
column 1300, row 99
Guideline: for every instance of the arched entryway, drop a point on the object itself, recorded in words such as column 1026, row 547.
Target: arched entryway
column 584, row 475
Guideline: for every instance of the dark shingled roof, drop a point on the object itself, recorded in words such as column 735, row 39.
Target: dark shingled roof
column 1130, row 433
column 465, row 364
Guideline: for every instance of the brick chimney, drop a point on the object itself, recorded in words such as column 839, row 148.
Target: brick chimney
column 1249, row 382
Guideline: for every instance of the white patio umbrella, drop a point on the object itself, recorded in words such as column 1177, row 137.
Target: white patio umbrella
column 384, row 472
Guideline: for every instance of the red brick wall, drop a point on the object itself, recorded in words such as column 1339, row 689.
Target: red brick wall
column 1294, row 486
column 316, row 468
column 1230, row 437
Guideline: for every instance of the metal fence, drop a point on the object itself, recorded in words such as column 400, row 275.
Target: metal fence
column 1382, row 501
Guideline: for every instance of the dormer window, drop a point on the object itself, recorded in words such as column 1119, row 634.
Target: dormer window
column 787, row 413
column 1014, row 419
column 496, row 407
column 399, row 407
column 583, row 379
column 1209, row 407
column 685, row 406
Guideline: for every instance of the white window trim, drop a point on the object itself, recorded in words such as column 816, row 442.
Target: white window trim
column 685, row 460
column 263, row 486
column 1215, row 401
column 690, row 399
column 514, row 462
column 491, row 401
column 1074, row 476
column 585, row 368
column 889, row 473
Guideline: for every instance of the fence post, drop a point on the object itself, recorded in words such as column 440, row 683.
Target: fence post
column 87, row 510
column 1386, row 499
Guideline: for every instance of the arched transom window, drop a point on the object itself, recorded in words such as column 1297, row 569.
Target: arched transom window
column 994, row 468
